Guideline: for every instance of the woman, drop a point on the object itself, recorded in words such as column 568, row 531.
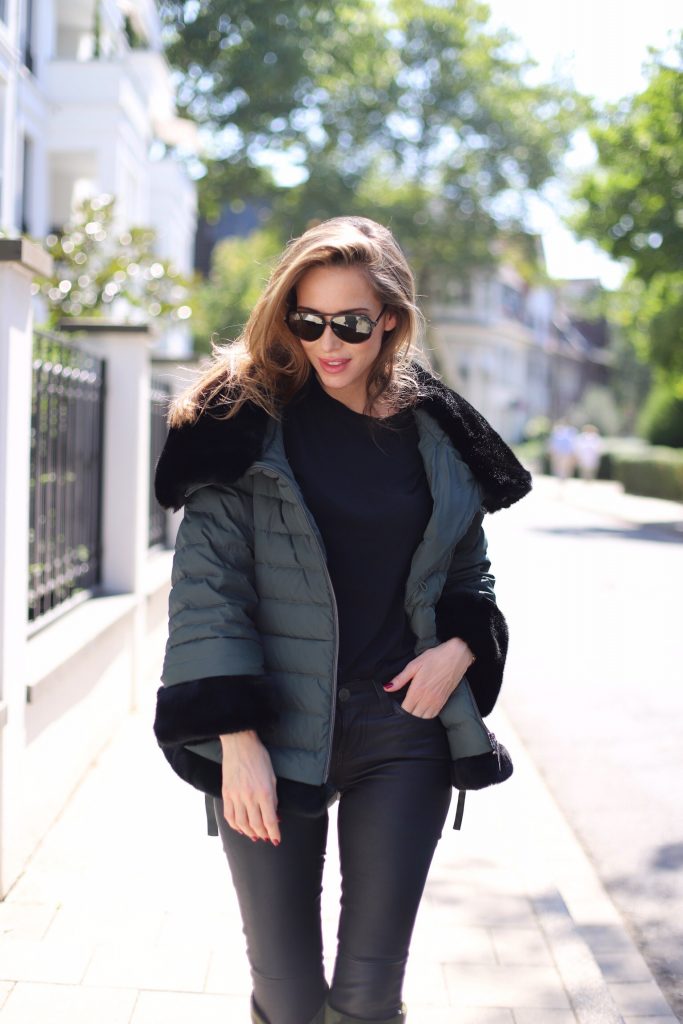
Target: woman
column 330, row 592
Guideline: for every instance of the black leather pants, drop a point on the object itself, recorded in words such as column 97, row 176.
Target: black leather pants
column 392, row 773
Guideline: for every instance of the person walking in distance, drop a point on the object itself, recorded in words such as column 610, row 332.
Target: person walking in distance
column 562, row 448
column 589, row 447
column 333, row 628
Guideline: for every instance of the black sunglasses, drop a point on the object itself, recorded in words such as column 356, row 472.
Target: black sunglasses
column 350, row 327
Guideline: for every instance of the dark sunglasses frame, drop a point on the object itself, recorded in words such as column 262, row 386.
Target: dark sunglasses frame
column 338, row 323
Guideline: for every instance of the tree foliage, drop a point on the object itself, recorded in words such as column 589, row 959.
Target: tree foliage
column 100, row 270
column 631, row 204
column 661, row 417
column 274, row 79
column 413, row 111
column 239, row 270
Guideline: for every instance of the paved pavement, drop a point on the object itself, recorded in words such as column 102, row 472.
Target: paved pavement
column 126, row 913
column 609, row 498
column 594, row 690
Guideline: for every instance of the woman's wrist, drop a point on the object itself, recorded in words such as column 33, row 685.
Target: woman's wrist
column 231, row 738
column 458, row 643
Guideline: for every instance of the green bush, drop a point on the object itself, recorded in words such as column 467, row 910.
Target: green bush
column 657, row 474
column 530, row 454
column 537, row 427
column 661, row 418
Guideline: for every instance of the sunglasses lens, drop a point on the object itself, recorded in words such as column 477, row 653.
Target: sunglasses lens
column 347, row 326
column 352, row 328
column 305, row 325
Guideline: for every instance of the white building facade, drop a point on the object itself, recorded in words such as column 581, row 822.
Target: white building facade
column 511, row 349
column 86, row 107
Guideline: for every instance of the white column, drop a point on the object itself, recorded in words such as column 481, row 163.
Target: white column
column 126, row 349
column 19, row 261
column 125, row 493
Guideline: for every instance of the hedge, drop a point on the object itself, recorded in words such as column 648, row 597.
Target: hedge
column 659, row 474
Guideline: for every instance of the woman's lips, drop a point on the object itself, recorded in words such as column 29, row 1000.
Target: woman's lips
column 330, row 368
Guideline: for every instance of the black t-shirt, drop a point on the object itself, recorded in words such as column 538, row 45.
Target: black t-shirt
column 364, row 482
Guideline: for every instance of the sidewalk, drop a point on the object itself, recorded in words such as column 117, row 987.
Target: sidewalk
column 125, row 914
column 663, row 518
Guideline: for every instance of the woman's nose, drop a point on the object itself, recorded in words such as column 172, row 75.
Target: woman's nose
column 329, row 342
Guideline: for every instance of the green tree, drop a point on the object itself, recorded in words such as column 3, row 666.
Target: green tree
column 274, row 79
column 239, row 270
column 631, row 204
column 465, row 139
column 100, row 270
column 413, row 112
column 661, row 418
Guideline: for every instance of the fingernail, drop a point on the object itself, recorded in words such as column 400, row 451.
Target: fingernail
column 276, row 842
column 387, row 686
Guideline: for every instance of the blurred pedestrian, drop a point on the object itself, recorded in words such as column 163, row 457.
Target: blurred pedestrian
column 331, row 560
column 561, row 447
column 588, row 446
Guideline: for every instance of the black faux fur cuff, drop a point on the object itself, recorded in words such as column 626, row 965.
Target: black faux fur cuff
column 482, row 770
column 206, row 708
column 481, row 624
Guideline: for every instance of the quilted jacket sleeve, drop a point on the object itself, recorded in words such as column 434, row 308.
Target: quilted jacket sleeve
column 213, row 663
column 467, row 608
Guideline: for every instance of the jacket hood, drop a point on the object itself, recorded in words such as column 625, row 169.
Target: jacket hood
column 219, row 451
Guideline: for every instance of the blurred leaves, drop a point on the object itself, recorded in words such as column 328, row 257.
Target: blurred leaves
column 240, row 268
column 101, row 270
column 631, row 204
column 415, row 113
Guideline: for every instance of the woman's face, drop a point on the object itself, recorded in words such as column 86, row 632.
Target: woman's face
column 342, row 368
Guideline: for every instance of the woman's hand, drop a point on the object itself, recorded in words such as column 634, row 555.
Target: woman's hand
column 249, row 787
column 433, row 676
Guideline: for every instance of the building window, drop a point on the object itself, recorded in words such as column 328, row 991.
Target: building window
column 23, row 199
column 27, row 34
column 3, row 10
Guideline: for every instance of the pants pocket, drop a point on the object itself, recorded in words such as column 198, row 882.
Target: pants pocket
column 394, row 705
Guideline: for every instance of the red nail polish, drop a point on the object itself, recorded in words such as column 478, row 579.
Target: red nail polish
column 387, row 686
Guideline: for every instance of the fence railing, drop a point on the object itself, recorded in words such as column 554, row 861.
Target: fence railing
column 66, row 475
column 160, row 394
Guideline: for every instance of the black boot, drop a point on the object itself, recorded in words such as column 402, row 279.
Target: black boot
column 337, row 1017
column 258, row 1018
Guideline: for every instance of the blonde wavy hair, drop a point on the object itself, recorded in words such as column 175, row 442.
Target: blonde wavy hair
column 266, row 364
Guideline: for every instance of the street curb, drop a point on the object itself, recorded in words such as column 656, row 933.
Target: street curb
column 580, row 972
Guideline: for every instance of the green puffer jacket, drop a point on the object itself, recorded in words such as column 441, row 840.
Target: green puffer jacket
column 253, row 632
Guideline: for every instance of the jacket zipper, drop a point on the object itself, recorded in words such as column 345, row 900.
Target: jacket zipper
column 274, row 473
column 336, row 653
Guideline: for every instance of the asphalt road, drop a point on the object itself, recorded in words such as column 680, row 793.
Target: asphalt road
column 594, row 685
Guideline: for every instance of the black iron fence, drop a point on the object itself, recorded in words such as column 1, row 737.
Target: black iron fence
column 66, row 474
column 160, row 398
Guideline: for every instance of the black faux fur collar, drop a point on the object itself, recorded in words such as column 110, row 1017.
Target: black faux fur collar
column 214, row 451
